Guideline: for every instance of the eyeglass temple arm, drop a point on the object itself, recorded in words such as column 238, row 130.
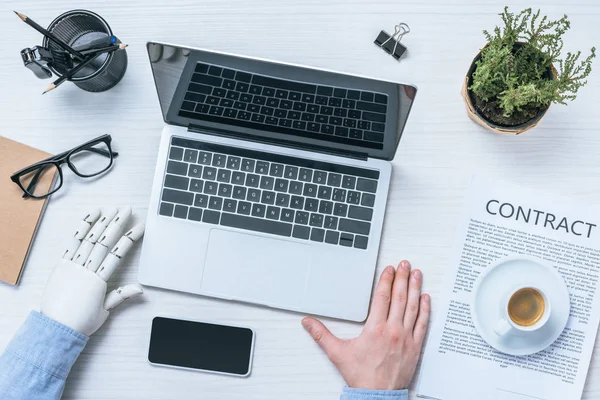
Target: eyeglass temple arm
column 33, row 182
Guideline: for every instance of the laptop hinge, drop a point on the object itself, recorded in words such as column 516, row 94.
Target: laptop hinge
column 278, row 142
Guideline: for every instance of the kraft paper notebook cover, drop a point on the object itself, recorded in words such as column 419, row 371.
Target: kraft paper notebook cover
column 19, row 217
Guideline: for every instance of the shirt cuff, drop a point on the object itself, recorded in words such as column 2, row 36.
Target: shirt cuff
column 349, row 393
column 47, row 344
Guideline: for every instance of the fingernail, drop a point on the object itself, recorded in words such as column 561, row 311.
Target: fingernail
column 305, row 324
column 405, row 264
column 426, row 298
column 417, row 274
column 389, row 269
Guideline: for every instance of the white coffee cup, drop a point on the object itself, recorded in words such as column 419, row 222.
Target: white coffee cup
column 525, row 309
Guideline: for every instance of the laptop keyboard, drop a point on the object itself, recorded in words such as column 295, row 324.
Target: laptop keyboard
column 261, row 102
column 270, row 193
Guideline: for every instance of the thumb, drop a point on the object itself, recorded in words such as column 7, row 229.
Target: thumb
column 324, row 338
column 121, row 294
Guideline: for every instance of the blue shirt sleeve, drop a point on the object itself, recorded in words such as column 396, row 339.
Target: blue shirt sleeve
column 37, row 361
column 364, row 394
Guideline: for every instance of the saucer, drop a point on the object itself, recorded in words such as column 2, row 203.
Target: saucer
column 496, row 283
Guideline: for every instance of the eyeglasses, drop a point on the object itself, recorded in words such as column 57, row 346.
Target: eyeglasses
column 88, row 160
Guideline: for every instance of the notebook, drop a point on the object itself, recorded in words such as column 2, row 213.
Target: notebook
column 19, row 217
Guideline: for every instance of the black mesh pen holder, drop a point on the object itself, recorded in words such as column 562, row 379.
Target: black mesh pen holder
column 77, row 28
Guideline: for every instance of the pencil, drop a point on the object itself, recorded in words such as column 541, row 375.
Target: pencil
column 50, row 36
column 70, row 73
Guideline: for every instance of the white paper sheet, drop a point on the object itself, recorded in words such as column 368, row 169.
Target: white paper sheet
column 501, row 220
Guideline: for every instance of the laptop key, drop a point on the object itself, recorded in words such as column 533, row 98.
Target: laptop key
column 253, row 195
column 346, row 239
column 310, row 190
column 239, row 192
column 340, row 209
column 291, row 172
column 301, row 232
column 334, row 179
column 196, row 185
column 362, row 213
column 229, row 205
column 316, row 220
column 238, row 178
column 287, row 215
column 180, row 211
column 360, row 242
column 301, row 218
column 348, row 182
column 233, row 162
column 373, row 136
column 269, row 92
column 176, row 153
column 243, row 115
column 276, row 170
column 311, row 205
column 267, row 197
column 210, row 217
column 211, row 187
column 195, row 214
column 305, row 175
column 373, row 117
column 330, row 222
column 324, row 192
column 339, row 195
column 273, row 212
column 258, row 118
column 267, row 182
column 356, row 134
column 256, row 225
column 195, row 171
column 255, row 89
column 367, row 200
column 286, row 104
column 177, row 196
column 244, row 208
column 177, row 168
column 380, row 98
column 252, row 180
column 258, row 210
column 224, row 175
column 201, row 200
column 332, row 237
column 177, row 182
column 352, row 226
column 320, row 177
column 166, row 209
column 281, row 185
column 366, row 185
column 295, row 187
column 262, row 167
column 317, row 235
column 219, row 160
column 325, row 207
column 215, row 203
column 297, row 202
column 353, row 197
column 209, row 173
column 281, row 94
column 247, row 165
column 282, row 200
column 225, row 190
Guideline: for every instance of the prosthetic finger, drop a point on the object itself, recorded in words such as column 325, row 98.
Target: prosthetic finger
column 107, row 239
column 112, row 260
column 82, row 229
column 121, row 294
column 92, row 237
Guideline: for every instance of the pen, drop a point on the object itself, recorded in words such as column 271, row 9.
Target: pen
column 70, row 73
column 97, row 43
column 50, row 36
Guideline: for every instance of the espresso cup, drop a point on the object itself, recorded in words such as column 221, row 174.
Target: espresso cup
column 525, row 309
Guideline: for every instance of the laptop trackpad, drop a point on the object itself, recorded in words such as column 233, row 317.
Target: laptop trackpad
column 256, row 269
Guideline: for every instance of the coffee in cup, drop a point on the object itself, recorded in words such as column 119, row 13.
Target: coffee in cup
column 525, row 309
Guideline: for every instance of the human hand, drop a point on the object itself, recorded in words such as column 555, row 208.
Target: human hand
column 75, row 294
column 385, row 355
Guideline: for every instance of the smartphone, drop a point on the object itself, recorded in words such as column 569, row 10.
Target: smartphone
column 202, row 346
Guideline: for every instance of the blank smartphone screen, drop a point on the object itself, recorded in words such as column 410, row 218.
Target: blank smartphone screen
column 200, row 345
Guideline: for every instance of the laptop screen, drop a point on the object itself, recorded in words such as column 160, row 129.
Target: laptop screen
column 278, row 102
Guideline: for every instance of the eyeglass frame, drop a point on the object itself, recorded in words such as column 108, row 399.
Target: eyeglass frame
column 62, row 158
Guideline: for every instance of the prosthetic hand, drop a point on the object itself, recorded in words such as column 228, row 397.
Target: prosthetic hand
column 75, row 294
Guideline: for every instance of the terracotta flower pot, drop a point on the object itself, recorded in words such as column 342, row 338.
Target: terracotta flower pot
column 476, row 115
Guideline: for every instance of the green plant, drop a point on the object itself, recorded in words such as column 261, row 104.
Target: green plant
column 511, row 76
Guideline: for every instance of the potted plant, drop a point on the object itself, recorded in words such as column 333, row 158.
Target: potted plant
column 513, row 79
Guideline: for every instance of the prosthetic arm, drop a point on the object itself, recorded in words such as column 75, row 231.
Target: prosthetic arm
column 75, row 294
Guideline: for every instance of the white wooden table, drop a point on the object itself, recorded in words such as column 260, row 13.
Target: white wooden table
column 440, row 150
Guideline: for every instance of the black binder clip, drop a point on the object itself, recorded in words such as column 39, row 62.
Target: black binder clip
column 391, row 43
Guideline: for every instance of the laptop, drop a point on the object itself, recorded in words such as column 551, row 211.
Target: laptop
column 271, row 181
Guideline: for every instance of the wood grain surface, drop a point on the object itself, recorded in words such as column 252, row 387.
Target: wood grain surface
column 440, row 151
